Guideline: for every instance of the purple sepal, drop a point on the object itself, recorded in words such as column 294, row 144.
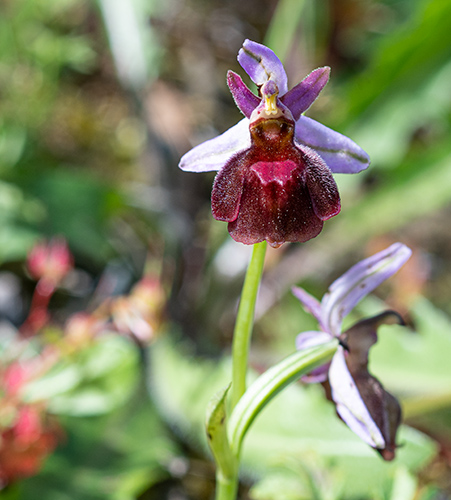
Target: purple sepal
column 243, row 97
column 341, row 154
column 310, row 303
column 215, row 153
column 359, row 281
column 301, row 97
column 261, row 64
column 350, row 405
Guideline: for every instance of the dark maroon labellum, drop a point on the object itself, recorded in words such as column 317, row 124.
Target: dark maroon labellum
column 276, row 190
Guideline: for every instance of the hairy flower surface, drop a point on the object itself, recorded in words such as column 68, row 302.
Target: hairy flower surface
column 361, row 401
column 275, row 166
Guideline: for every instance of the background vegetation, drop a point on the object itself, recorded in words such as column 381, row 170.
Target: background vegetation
column 98, row 102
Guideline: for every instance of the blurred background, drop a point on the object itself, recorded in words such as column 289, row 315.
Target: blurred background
column 118, row 290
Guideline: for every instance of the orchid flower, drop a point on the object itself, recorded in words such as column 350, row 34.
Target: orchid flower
column 360, row 399
column 275, row 166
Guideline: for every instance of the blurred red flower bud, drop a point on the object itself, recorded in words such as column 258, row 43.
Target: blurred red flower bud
column 25, row 444
column 51, row 261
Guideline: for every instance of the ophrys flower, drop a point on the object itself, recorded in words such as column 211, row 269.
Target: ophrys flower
column 361, row 401
column 275, row 166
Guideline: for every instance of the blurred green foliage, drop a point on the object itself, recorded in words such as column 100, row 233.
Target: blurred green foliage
column 87, row 156
column 297, row 437
column 60, row 152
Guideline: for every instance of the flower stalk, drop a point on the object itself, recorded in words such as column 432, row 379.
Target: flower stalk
column 245, row 321
column 226, row 437
column 226, row 487
column 227, row 462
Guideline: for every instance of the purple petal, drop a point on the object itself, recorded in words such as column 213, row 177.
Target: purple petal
column 350, row 405
column 341, row 155
column 243, row 97
column 311, row 305
column 214, row 154
column 261, row 64
column 301, row 97
column 359, row 281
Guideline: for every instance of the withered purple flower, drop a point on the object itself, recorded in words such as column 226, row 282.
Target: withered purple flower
column 275, row 166
column 360, row 399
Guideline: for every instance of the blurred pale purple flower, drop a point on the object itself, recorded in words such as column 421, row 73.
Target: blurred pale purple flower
column 275, row 166
column 361, row 401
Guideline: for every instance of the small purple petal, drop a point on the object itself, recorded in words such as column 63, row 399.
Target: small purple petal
column 350, row 405
column 243, row 97
column 341, row 154
column 301, row 97
column 310, row 303
column 215, row 153
column 269, row 89
column 261, row 64
column 359, row 281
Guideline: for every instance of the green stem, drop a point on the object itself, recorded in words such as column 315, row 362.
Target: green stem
column 245, row 321
column 226, row 487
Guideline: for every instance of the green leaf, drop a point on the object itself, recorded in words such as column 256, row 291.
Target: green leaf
column 405, row 57
column 299, row 427
column 268, row 385
column 281, row 485
column 216, row 428
column 182, row 386
column 75, row 203
column 116, row 456
column 94, row 381
column 404, row 485
column 303, row 428
column 283, row 27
